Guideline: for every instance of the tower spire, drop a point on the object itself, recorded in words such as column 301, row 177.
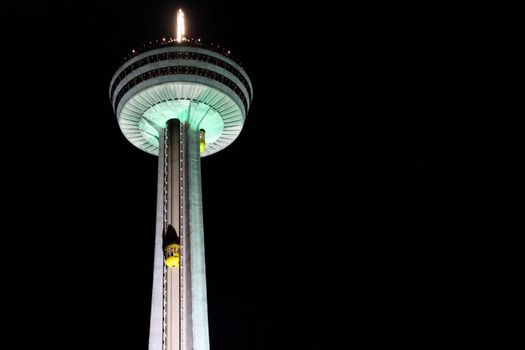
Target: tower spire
column 180, row 26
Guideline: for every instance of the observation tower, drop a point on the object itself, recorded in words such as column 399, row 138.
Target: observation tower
column 181, row 100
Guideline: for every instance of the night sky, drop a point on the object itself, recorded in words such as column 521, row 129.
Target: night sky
column 314, row 217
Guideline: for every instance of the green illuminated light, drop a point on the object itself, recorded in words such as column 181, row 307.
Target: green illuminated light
column 199, row 116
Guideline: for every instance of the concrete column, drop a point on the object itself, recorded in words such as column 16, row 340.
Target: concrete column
column 199, row 300
column 179, row 311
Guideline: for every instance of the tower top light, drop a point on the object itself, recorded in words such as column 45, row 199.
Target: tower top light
column 180, row 26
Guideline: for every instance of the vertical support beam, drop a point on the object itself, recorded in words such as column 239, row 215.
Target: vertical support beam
column 186, row 280
column 199, row 300
column 174, row 203
column 157, row 292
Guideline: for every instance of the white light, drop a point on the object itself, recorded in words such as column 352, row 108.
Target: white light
column 180, row 26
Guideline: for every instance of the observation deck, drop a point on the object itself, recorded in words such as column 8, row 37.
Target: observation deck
column 202, row 85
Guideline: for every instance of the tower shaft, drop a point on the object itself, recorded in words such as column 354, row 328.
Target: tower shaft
column 179, row 312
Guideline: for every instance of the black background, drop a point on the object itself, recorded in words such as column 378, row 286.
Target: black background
column 317, row 218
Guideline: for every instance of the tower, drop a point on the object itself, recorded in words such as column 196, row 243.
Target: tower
column 182, row 100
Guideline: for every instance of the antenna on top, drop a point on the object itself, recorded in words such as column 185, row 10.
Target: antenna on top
column 180, row 26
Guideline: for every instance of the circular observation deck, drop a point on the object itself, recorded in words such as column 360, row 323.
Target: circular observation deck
column 198, row 85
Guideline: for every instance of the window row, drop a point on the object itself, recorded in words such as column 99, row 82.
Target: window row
column 181, row 70
column 182, row 56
